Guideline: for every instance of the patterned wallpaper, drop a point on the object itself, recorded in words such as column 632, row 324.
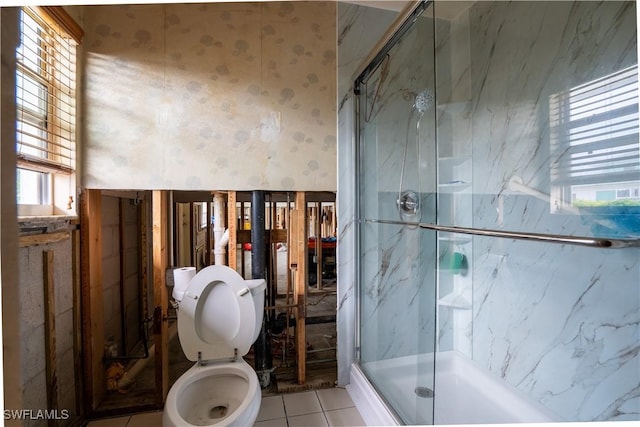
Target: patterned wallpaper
column 224, row 96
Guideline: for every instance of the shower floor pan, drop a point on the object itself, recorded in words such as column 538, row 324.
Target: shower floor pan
column 463, row 393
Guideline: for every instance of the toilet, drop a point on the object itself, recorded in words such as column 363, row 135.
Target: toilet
column 219, row 318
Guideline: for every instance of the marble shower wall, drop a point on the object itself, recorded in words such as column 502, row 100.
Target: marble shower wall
column 237, row 96
column 560, row 323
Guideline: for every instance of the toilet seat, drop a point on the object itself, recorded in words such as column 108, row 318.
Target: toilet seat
column 216, row 317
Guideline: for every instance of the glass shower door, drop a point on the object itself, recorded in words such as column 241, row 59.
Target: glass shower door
column 397, row 179
column 537, row 128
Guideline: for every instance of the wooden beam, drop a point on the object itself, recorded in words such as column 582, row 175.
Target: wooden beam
column 58, row 16
column 50, row 333
column 43, row 239
column 92, row 297
column 319, row 246
column 232, row 225
column 77, row 326
column 278, row 236
column 289, row 292
column 193, row 238
column 209, row 241
column 160, row 298
column 298, row 264
column 243, row 236
column 121, row 278
column 143, row 221
column 241, row 229
column 273, row 250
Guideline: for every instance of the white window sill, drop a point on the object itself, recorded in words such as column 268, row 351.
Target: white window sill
column 45, row 213
column 45, row 224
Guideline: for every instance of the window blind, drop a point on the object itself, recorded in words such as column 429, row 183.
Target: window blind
column 595, row 131
column 45, row 95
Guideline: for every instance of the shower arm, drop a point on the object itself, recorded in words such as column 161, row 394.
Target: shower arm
column 536, row 237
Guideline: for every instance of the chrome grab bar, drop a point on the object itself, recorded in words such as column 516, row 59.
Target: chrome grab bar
column 592, row 242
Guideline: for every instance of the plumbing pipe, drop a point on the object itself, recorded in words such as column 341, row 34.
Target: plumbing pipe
column 258, row 238
column 218, row 248
column 262, row 348
column 220, row 235
column 129, row 377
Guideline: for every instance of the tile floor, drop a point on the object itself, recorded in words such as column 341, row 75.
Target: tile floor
column 327, row 407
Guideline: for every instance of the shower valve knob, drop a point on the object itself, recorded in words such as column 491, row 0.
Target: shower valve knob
column 409, row 202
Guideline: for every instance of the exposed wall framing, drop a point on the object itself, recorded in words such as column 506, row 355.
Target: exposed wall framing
column 146, row 217
column 299, row 220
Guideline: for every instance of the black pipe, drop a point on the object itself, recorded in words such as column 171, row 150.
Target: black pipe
column 262, row 346
column 258, row 257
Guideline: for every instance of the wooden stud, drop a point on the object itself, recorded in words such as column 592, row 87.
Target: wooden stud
column 143, row 220
column 319, row 246
column 289, row 277
column 77, row 325
column 50, row 333
column 208, row 239
column 123, row 305
column 298, row 263
column 273, row 253
column 289, row 284
column 232, row 225
column 92, row 297
column 160, row 297
column 193, row 238
column 241, row 227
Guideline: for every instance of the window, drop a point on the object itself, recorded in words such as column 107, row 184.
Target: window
column 595, row 144
column 46, row 109
column 623, row 194
column 34, row 188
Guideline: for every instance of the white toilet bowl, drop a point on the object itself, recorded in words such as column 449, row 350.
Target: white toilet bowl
column 219, row 317
column 218, row 394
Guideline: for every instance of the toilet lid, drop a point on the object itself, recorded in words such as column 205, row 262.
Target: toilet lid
column 216, row 315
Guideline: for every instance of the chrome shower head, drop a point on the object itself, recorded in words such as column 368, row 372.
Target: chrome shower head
column 424, row 101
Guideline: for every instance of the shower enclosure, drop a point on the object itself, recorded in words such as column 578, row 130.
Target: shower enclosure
column 498, row 176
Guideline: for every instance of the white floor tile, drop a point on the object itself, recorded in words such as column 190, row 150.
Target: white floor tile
column 110, row 422
column 347, row 417
column 147, row 419
column 280, row 422
column 334, row 398
column 303, row 409
column 271, row 408
column 301, row 403
column 308, row 420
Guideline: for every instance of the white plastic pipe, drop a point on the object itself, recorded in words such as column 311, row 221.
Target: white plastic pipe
column 220, row 234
